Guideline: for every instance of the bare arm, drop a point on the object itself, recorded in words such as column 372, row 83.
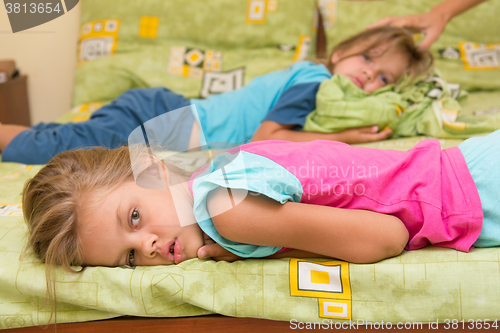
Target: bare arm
column 431, row 23
column 8, row 132
column 270, row 130
column 357, row 236
column 216, row 252
column 213, row 250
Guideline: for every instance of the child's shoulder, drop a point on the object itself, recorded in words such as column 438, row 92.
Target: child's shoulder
column 307, row 64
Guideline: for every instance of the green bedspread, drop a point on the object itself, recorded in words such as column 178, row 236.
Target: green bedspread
column 129, row 43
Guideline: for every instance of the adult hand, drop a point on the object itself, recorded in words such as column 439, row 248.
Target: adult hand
column 362, row 134
column 213, row 250
column 431, row 24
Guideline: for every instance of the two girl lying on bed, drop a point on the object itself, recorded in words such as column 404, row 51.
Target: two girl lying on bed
column 272, row 106
column 356, row 204
column 317, row 198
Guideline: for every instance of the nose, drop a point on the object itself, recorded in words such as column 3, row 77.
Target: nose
column 369, row 72
column 149, row 245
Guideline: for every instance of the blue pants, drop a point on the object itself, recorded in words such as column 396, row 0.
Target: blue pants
column 482, row 155
column 108, row 127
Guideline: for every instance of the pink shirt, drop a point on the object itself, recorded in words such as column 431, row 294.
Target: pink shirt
column 429, row 189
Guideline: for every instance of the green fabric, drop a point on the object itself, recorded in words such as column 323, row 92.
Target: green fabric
column 478, row 25
column 425, row 285
column 429, row 284
column 424, row 108
column 426, row 115
column 128, row 44
column 340, row 104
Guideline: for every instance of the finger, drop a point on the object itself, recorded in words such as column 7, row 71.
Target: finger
column 429, row 39
column 368, row 129
column 382, row 135
column 383, row 22
column 212, row 250
column 207, row 239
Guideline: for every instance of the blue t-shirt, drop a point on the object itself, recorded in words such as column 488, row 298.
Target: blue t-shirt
column 235, row 116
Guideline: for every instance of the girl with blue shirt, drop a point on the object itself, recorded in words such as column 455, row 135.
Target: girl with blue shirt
column 272, row 106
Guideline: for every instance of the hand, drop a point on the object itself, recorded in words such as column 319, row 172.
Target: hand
column 431, row 24
column 213, row 250
column 362, row 134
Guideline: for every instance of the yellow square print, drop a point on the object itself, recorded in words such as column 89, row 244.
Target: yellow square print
column 320, row 279
column 303, row 48
column 334, row 308
column 98, row 39
column 256, row 11
column 480, row 56
column 272, row 6
column 148, row 27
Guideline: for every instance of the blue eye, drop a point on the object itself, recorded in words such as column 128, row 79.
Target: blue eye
column 383, row 79
column 134, row 218
column 130, row 258
column 366, row 57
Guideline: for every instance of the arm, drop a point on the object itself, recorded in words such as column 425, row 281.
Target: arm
column 9, row 132
column 357, row 236
column 213, row 250
column 431, row 23
column 270, row 130
column 218, row 253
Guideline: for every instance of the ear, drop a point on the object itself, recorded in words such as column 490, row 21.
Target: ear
column 149, row 172
column 336, row 56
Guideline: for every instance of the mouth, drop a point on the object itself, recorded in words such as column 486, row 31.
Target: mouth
column 172, row 251
column 357, row 82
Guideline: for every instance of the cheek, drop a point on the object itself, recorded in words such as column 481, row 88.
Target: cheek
column 372, row 86
column 194, row 234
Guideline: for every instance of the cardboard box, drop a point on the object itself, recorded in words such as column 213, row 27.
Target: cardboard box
column 14, row 105
column 7, row 70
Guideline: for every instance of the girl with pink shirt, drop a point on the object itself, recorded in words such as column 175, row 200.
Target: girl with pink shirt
column 322, row 198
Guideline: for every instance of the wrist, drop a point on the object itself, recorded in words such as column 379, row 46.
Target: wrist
column 443, row 12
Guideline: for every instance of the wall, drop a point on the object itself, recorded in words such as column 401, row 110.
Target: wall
column 47, row 54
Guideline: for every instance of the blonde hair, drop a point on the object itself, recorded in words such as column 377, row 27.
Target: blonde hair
column 419, row 60
column 52, row 201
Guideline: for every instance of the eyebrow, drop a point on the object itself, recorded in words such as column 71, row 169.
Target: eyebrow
column 120, row 225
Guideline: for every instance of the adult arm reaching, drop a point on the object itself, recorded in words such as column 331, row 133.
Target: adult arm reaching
column 431, row 23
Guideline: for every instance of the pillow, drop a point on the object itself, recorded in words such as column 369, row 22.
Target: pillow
column 417, row 286
column 193, row 47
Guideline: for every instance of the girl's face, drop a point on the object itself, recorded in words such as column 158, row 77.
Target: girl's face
column 136, row 227
column 371, row 70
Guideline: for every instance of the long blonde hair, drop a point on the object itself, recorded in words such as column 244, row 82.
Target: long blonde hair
column 52, row 202
column 419, row 60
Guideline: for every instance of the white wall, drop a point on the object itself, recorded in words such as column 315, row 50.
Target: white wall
column 47, row 55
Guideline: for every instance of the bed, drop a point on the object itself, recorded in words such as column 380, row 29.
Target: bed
column 128, row 43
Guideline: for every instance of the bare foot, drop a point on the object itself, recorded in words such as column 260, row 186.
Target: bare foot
column 8, row 132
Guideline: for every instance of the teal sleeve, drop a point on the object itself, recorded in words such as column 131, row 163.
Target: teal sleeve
column 246, row 171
